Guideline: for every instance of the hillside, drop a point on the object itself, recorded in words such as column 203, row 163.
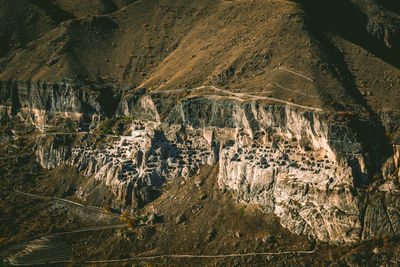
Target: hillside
column 278, row 48
column 224, row 132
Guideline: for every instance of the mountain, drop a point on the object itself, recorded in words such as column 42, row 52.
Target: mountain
column 128, row 107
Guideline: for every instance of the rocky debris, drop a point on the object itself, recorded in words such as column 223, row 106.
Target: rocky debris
column 269, row 239
column 127, row 236
column 196, row 209
column 203, row 196
column 142, row 194
column 238, row 234
column 155, row 218
column 211, row 234
column 180, row 219
column 145, row 233
column 199, row 183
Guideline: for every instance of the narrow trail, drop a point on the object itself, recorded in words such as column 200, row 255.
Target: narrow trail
column 175, row 256
column 90, row 229
column 297, row 73
column 292, row 91
column 50, row 249
column 208, row 256
column 68, row 202
column 240, row 96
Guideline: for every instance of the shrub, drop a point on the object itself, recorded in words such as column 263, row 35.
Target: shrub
column 128, row 118
column 124, row 216
column 389, row 136
column 3, row 241
column 107, row 208
column 131, row 223
column 144, row 219
column 106, row 126
column 384, row 240
column 241, row 212
column 4, row 121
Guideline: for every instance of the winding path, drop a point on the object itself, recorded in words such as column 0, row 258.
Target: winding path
column 177, row 256
column 239, row 96
column 40, row 248
column 69, row 202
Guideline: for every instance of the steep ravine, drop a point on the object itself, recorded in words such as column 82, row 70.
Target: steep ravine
column 308, row 169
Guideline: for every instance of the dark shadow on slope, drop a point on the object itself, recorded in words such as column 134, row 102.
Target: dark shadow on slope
column 108, row 101
column 16, row 104
column 4, row 44
column 345, row 19
column 393, row 5
column 110, row 6
column 57, row 14
column 370, row 131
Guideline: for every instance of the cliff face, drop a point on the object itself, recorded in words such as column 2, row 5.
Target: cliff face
column 320, row 176
column 298, row 176
column 38, row 102
column 133, row 167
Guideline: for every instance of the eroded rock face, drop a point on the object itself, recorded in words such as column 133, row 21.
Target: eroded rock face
column 396, row 156
column 133, row 165
column 39, row 102
column 310, row 192
column 295, row 174
column 382, row 214
column 311, row 173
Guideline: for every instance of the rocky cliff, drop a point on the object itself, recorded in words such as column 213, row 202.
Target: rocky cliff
column 318, row 174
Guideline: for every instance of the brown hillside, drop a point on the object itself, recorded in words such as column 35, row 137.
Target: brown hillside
column 281, row 49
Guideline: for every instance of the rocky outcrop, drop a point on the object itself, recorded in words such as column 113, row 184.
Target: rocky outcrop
column 315, row 174
column 396, row 157
column 311, row 192
column 39, row 102
column 290, row 168
column 382, row 215
column 52, row 151
column 35, row 102
column 135, row 166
